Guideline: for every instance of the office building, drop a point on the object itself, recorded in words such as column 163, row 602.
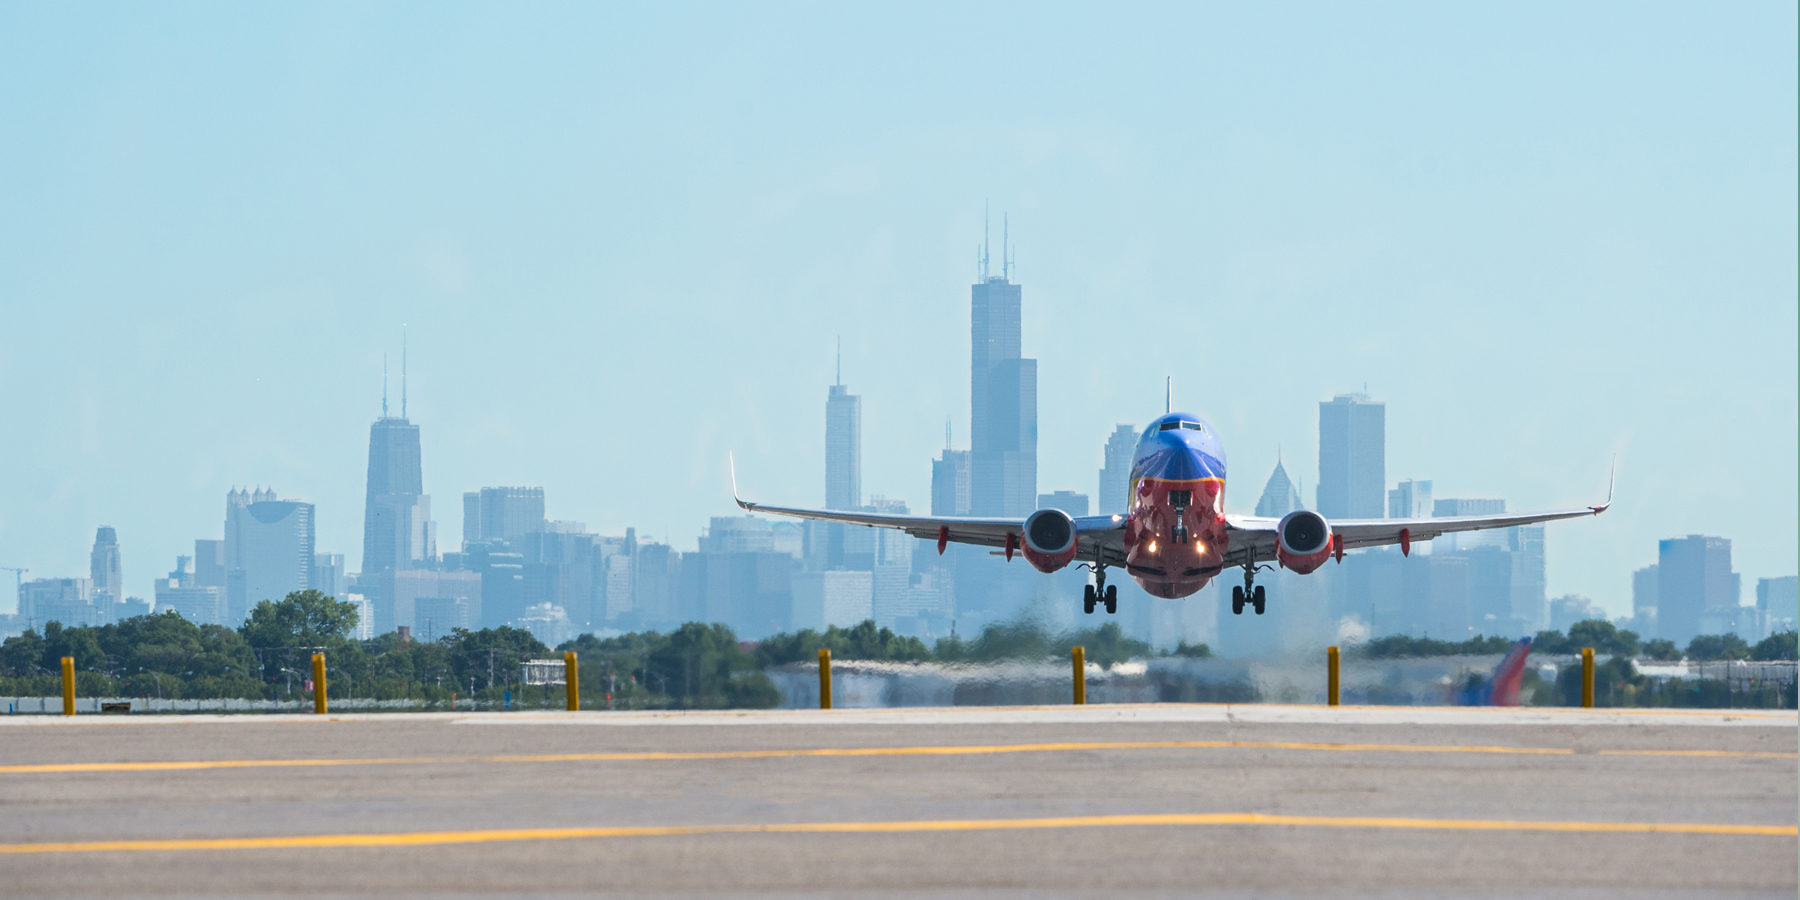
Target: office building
column 502, row 514
column 1469, row 540
column 1280, row 495
column 950, row 483
column 209, row 562
column 103, row 567
column 843, row 447
column 69, row 601
column 1777, row 603
column 1115, row 471
column 404, row 587
column 397, row 529
column 179, row 593
column 1410, row 499
column 328, row 575
column 823, row 599
column 1352, row 457
column 1002, row 399
column 268, row 550
column 1694, row 579
column 1074, row 503
column 1644, row 584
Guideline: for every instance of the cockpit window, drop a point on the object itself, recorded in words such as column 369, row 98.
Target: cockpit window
column 1194, row 425
column 1171, row 426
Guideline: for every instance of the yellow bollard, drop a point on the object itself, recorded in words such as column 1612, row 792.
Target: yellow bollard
column 824, row 678
column 1331, row 676
column 68, row 668
column 1587, row 677
column 571, row 678
column 1078, row 656
column 318, row 684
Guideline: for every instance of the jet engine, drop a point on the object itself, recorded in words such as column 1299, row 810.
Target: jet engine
column 1049, row 539
column 1304, row 541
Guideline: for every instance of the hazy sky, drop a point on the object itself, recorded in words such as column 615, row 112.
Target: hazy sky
column 623, row 239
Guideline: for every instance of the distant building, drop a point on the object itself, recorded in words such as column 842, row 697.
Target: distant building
column 69, row 601
column 1352, row 457
column 404, row 588
column 1694, row 582
column 1644, row 584
column 1571, row 608
column 178, row 592
column 1410, row 499
column 1279, row 494
column 1115, row 471
column 209, row 564
column 397, row 529
column 268, row 550
column 950, row 483
column 1778, row 599
column 1002, row 399
column 328, row 575
column 1529, row 583
column 1469, row 540
column 1072, row 502
column 103, row 567
column 502, row 513
column 822, row 599
column 843, row 448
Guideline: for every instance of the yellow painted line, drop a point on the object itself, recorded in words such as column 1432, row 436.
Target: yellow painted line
column 495, row 836
column 948, row 750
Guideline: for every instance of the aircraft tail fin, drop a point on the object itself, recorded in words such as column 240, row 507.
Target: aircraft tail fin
column 1502, row 687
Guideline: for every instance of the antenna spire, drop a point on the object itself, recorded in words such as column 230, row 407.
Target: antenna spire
column 403, row 370
column 946, row 432
column 840, row 361
column 1168, row 394
column 1005, row 242
column 986, row 233
column 384, row 385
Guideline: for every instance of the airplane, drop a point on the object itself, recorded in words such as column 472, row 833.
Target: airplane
column 1501, row 688
column 1176, row 536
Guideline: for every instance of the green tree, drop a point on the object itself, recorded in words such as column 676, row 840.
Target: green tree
column 1718, row 646
column 1660, row 649
column 474, row 654
column 1106, row 645
column 1192, row 651
column 302, row 619
column 1604, row 637
column 1778, row 646
column 1553, row 642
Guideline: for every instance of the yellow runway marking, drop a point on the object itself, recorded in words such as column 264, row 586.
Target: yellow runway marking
column 948, row 750
column 433, row 838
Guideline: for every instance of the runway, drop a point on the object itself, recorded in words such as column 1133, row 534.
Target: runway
column 1163, row 799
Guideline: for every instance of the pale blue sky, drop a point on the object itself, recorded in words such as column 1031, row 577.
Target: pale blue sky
column 623, row 241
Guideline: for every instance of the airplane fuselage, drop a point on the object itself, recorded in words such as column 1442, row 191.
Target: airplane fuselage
column 1175, row 534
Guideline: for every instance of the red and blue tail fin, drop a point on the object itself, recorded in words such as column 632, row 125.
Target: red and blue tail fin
column 1501, row 688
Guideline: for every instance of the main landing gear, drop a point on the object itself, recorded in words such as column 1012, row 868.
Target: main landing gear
column 1099, row 592
column 1251, row 592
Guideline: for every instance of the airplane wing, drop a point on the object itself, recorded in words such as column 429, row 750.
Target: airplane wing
column 1254, row 536
column 1101, row 537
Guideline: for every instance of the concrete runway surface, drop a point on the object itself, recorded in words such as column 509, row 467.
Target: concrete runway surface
column 1159, row 799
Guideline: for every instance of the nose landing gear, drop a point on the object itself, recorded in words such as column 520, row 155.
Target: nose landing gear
column 1099, row 592
column 1250, row 593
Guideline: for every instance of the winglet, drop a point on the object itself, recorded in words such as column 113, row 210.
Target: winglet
column 1610, row 476
column 731, row 460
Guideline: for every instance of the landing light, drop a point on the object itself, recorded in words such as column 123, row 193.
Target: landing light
column 1152, row 546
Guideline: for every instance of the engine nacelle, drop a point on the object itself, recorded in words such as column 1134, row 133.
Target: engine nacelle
column 1303, row 541
column 1049, row 539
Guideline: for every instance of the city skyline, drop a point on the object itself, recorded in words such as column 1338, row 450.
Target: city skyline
column 1579, row 254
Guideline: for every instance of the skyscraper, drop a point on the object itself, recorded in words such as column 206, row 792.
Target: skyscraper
column 1410, row 499
column 1279, row 495
column 1694, row 578
column 1644, row 584
column 397, row 528
column 950, row 483
column 268, row 550
column 1115, row 471
column 1352, row 457
column 502, row 514
column 1002, row 399
column 103, row 567
column 843, row 447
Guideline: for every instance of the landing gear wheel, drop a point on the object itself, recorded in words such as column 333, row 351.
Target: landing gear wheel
column 1237, row 601
column 1257, row 600
column 1112, row 599
column 1087, row 599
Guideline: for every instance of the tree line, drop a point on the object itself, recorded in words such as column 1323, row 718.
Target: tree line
column 1606, row 638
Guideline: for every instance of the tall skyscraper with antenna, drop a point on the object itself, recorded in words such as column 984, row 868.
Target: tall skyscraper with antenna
column 1002, row 394
column 397, row 529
